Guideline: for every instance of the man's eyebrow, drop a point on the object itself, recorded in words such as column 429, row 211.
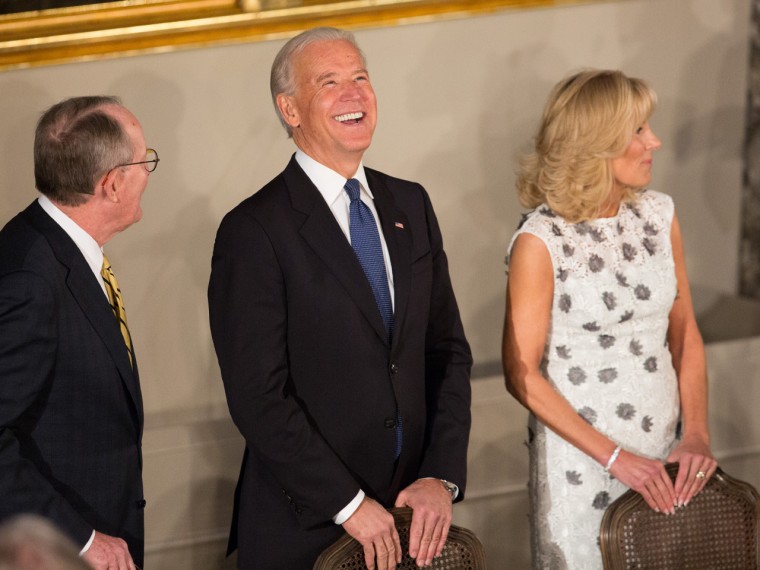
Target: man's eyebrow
column 329, row 74
column 325, row 75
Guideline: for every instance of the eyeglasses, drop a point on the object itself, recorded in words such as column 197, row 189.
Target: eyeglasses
column 151, row 161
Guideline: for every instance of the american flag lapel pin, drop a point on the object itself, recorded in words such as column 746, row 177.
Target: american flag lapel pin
column 399, row 225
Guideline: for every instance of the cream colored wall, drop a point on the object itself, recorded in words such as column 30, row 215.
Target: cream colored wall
column 458, row 99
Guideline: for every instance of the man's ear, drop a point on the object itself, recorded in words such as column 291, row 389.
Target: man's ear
column 109, row 184
column 288, row 110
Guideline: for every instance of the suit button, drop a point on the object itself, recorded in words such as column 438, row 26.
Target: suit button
column 141, row 503
column 394, row 368
column 390, row 423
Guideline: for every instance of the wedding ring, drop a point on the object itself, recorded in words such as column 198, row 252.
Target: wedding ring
column 700, row 474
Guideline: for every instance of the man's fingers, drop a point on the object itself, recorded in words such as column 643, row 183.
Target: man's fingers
column 397, row 545
column 369, row 556
column 429, row 541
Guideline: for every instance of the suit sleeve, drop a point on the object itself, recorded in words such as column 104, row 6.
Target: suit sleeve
column 28, row 342
column 249, row 313
column 447, row 373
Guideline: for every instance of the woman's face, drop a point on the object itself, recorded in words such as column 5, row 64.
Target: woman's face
column 634, row 167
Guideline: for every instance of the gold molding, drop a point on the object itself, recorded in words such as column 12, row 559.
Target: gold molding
column 129, row 27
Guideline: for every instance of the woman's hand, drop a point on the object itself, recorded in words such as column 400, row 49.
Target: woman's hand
column 648, row 478
column 696, row 465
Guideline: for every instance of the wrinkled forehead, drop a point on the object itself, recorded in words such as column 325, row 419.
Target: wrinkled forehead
column 323, row 57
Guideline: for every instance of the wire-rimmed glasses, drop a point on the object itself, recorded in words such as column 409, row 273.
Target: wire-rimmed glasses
column 150, row 162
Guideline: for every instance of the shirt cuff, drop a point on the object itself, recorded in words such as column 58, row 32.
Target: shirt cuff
column 87, row 546
column 349, row 509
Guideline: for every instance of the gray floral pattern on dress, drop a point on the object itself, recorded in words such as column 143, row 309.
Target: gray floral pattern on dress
column 635, row 347
column 607, row 375
column 576, row 375
column 650, row 364
column 595, row 263
column 625, row 411
column 596, row 235
column 609, row 300
column 588, row 414
column 650, row 230
column 565, row 303
column 642, row 292
column 547, row 212
column 647, row 423
column 563, row 352
column 606, row 340
column 602, row 500
column 574, row 478
column 627, row 316
column 629, row 252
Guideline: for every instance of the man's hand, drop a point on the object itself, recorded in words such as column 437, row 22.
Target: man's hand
column 109, row 553
column 375, row 530
column 431, row 518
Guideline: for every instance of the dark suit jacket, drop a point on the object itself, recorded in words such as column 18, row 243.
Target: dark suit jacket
column 311, row 381
column 70, row 403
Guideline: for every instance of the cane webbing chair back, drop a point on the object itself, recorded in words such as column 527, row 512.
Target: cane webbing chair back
column 463, row 550
column 717, row 530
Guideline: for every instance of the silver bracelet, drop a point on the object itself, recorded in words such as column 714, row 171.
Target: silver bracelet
column 612, row 458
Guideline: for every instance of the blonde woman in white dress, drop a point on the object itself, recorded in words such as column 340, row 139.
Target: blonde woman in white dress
column 600, row 339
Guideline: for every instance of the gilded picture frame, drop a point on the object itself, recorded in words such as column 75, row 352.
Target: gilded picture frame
column 109, row 29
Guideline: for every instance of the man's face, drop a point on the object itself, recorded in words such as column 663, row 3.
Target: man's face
column 333, row 111
column 134, row 178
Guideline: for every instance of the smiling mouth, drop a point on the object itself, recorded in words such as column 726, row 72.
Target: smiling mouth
column 350, row 117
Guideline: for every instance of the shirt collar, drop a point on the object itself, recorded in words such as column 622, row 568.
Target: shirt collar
column 90, row 249
column 328, row 182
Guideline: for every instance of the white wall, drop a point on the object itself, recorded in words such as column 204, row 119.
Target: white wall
column 458, row 100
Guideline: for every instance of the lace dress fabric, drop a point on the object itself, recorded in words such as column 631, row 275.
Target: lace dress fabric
column 607, row 354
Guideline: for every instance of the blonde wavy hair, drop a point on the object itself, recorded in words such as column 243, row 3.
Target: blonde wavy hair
column 589, row 119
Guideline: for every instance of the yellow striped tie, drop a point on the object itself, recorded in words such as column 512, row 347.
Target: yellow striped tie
column 117, row 303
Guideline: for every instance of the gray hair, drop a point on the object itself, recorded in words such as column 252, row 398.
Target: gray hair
column 76, row 143
column 281, row 79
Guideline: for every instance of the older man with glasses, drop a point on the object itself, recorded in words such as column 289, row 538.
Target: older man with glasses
column 71, row 412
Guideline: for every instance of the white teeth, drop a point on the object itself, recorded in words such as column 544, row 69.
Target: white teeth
column 349, row 117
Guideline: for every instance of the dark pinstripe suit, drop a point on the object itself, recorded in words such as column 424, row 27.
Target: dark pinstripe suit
column 70, row 404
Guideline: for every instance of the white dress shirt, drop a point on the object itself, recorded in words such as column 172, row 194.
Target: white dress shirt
column 90, row 249
column 330, row 185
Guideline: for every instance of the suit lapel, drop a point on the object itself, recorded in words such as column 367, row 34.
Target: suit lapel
column 396, row 230
column 324, row 236
column 85, row 289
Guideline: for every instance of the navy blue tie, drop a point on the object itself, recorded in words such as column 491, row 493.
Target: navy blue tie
column 365, row 239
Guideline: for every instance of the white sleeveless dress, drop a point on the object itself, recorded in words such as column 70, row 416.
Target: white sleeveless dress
column 607, row 354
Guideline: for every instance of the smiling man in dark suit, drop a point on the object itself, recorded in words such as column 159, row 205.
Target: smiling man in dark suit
column 338, row 335
column 70, row 403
